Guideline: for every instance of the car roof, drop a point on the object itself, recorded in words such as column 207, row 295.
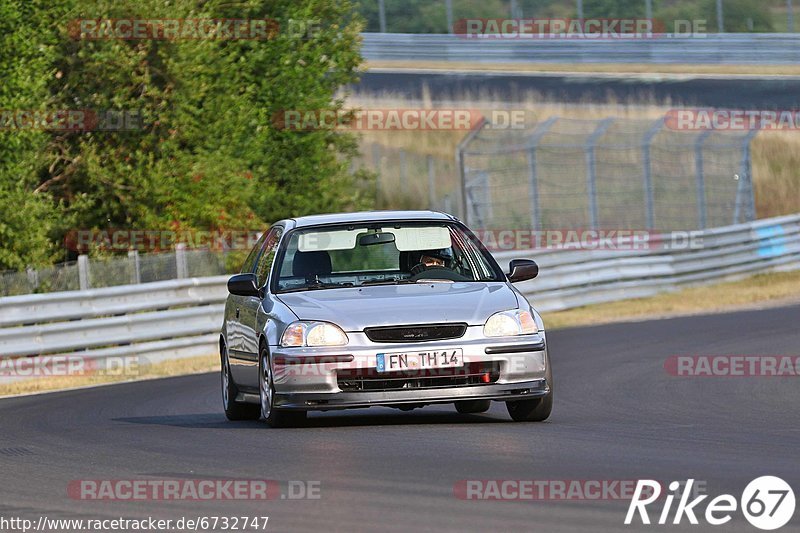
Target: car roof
column 369, row 216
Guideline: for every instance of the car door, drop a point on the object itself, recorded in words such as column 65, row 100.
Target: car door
column 248, row 313
column 233, row 333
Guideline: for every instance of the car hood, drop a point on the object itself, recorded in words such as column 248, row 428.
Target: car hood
column 355, row 308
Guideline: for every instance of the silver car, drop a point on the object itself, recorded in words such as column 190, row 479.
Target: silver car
column 390, row 308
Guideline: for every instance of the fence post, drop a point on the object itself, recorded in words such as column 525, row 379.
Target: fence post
column 591, row 177
column 136, row 272
column 648, row 172
column 462, row 170
column 382, row 16
column 431, row 184
column 403, row 170
column 745, row 195
column 377, row 161
column 533, row 179
column 700, row 180
column 180, row 261
column 448, row 5
column 33, row 278
column 83, row 272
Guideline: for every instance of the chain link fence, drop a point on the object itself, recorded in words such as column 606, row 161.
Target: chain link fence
column 91, row 273
column 605, row 174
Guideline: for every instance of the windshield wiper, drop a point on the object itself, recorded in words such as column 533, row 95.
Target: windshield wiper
column 317, row 286
column 386, row 282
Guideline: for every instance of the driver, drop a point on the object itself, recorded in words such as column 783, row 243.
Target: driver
column 430, row 261
column 433, row 259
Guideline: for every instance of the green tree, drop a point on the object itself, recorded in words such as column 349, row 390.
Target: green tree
column 26, row 217
column 207, row 155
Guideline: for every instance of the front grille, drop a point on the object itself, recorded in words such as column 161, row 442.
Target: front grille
column 417, row 333
column 370, row 380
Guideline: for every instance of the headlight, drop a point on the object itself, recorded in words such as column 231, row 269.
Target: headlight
column 510, row 324
column 313, row 334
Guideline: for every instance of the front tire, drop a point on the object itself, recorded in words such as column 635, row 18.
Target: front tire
column 233, row 410
column 470, row 407
column 266, row 389
column 537, row 410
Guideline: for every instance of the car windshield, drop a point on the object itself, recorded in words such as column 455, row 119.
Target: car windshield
column 383, row 254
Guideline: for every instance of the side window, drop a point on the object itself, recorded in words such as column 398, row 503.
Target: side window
column 250, row 262
column 268, row 255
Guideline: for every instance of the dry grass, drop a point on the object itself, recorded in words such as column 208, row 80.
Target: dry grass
column 779, row 287
column 776, row 172
column 602, row 68
column 180, row 367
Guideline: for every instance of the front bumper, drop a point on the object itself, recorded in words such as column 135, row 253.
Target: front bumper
column 308, row 378
column 525, row 390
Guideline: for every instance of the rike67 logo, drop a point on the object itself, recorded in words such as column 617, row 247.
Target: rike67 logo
column 768, row 503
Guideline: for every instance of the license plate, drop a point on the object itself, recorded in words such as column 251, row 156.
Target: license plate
column 394, row 362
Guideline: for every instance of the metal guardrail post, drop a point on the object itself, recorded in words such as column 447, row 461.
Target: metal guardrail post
column 700, row 180
column 533, row 179
column 180, row 261
column 591, row 176
column 648, row 172
column 83, row 272
column 136, row 267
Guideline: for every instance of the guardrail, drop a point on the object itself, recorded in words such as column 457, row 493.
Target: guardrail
column 725, row 48
column 182, row 318
column 156, row 321
column 576, row 278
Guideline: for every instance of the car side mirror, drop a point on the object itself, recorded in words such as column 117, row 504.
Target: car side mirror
column 244, row 285
column 522, row 270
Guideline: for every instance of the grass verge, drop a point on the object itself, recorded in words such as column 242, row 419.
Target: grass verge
column 762, row 289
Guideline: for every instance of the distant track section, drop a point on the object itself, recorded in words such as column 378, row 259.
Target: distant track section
column 713, row 49
column 738, row 92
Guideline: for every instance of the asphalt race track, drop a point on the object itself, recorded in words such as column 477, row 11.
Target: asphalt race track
column 736, row 92
column 618, row 416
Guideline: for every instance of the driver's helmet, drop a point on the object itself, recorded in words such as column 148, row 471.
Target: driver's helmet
column 445, row 254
